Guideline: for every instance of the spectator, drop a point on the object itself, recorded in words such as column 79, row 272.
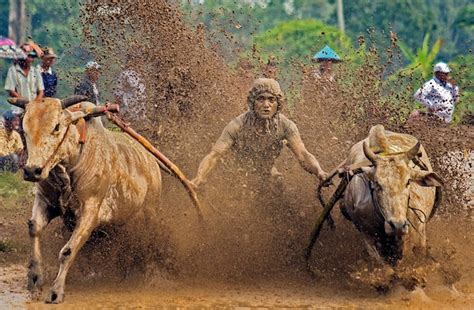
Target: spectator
column 130, row 93
column 439, row 95
column 50, row 79
column 23, row 79
column 11, row 146
column 88, row 85
column 326, row 57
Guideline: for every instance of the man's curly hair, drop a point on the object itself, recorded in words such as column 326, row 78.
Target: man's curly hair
column 264, row 85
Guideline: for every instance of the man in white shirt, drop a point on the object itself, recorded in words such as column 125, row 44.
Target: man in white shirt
column 88, row 85
column 130, row 93
column 440, row 94
column 23, row 79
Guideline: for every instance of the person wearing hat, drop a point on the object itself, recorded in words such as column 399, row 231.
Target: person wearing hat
column 326, row 57
column 50, row 78
column 440, row 94
column 11, row 146
column 258, row 136
column 23, row 79
column 88, row 85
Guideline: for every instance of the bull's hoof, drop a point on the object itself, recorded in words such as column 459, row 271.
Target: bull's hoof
column 54, row 297
column 35, row 281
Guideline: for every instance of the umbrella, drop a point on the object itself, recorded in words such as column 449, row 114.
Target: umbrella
column 326, row 54
column 6, row 41
column 11, row 52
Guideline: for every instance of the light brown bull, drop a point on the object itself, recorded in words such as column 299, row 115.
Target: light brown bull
column 110, row 178
column 391, row 201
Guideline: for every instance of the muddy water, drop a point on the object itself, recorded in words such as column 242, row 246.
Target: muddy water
column 450, row 286
column 248, row 253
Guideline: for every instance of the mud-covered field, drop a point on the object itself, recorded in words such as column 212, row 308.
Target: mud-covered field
column 237, row 259
column 248, row 252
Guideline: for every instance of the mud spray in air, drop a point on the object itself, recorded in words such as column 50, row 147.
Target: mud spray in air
column 249, row 250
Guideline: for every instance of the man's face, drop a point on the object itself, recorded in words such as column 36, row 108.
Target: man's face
column 93, row 74
column 29, row 60
column 442, row 76
column 266, row 105
column 48, row 61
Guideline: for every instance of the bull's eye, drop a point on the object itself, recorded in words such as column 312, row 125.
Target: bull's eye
column 56, row 128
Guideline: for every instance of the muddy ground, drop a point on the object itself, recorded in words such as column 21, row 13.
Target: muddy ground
column 249, row 250
column 236, row 261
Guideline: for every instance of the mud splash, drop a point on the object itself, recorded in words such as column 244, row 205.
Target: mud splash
column 249, row 250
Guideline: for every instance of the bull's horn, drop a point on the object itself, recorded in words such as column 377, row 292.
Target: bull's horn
column 368, row 153
column 19, row 102
column 413, row 151
column 69, row 101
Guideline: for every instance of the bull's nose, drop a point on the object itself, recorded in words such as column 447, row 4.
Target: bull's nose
column 32, row 173
column 393, row 227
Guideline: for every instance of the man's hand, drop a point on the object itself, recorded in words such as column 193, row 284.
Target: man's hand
column 195, row 183
column 275, row 173
column 322, row 175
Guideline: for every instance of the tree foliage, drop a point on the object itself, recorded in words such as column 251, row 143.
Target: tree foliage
column 411, row 20
column 423, row 59
column 301, row 39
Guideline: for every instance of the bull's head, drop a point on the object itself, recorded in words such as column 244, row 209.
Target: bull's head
column 46, row 125
column 391, row 178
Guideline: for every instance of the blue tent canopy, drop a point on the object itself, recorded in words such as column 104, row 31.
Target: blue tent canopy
column 327, row 53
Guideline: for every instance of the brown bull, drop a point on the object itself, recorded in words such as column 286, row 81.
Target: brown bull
column 391, row 201
column 109, row 178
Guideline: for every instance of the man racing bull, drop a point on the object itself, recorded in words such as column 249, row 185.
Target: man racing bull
column 258, row 136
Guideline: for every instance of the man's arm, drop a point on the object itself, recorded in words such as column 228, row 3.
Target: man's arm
column 10, row 86
column 13, row 94
column 222, row 145
column 40, row 90
column 40, row 95
column 206, row 165
column 456, row 94
column 306, row 159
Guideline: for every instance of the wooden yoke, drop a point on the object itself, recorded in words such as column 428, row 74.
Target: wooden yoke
column 81, row 124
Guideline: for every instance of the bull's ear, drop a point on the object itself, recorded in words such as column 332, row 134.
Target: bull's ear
column 426, row 178
column 18, row 102
column 72, row 117
column 65, row 103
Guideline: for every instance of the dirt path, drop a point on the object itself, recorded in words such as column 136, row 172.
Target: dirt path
column 300, row 294
column 452, row 287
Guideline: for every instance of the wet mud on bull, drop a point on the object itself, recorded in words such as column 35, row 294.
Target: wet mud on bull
column 109, row 178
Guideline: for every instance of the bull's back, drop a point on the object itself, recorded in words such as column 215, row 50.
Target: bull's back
column 397, row 143
column 127, row 179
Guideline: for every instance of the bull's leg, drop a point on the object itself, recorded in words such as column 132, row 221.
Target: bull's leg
column 87, row 223
column 41, row 216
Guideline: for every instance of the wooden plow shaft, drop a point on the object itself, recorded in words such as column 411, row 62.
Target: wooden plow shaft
column 161, row 158
column 164, row 162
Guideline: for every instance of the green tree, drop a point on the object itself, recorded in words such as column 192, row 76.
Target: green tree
column 423, row 59
column 411, row 20
column 301, row 39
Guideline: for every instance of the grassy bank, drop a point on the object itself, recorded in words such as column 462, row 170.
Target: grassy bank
column 16, row 198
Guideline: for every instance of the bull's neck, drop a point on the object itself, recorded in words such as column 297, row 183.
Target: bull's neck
column 72, row 148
